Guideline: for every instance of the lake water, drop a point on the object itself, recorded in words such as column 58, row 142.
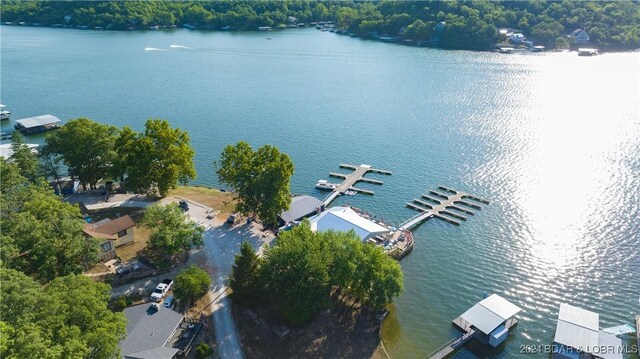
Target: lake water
column 551, row 139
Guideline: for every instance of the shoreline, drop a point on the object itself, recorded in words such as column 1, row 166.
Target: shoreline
column 384, row 39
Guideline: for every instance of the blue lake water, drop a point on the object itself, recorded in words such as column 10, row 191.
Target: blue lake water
column 551, row 139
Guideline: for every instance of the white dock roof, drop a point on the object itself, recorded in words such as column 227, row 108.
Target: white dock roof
column 346, row 219
column 38, row 121
column 579, row 328
column 489, row 313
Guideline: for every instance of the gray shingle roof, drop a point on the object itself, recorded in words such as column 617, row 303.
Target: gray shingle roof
column 300, row 207
column 148, row 330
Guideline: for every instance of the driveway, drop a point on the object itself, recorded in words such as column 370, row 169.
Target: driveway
column 221, row 244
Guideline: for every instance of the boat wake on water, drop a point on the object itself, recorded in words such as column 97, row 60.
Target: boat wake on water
column 180, row 47
column 154, row 49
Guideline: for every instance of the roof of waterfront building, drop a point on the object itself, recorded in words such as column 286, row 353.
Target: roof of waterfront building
column 490, row 313
column 579, row 328
column 109, row 228
column 300, row 207
column 6, row 149
column 38, row 121
column 346, row 219
column 148, row 331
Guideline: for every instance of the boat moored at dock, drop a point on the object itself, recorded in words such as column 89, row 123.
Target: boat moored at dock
column 587, row 52
column 4, row 114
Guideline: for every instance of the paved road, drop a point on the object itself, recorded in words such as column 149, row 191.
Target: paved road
column 221, row 243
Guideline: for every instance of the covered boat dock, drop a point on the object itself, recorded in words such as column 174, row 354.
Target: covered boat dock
column 37, row 124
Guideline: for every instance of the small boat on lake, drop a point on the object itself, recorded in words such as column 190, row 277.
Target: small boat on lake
column 4, row 114
column 324, row 185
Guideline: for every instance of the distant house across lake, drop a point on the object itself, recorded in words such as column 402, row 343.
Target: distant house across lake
column 579, row 37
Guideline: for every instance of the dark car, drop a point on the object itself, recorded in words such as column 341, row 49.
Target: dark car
column 183, row 205
column 123, row 270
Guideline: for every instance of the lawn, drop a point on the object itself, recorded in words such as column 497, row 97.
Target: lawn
column 221, row 201
column 131, row 251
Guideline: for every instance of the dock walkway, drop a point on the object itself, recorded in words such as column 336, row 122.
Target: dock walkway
column 444, row 203
column 350, row 179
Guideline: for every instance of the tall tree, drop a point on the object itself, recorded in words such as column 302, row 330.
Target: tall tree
column 41, row 235
column 156, row 160
column 23, row 157
column 296, row 272
column 260, row 178
column 244, row 280
column 68, row 318
column 86, row 147
column 173, row 231
column 191, row 284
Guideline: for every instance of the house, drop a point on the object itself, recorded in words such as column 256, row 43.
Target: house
column 579, row 37
column 346, row 219
column 516, row 38
column 37, row 124
column 65, row 186
column 301, row 207
column 578, row 335
column 155, row 332
column 113, row 233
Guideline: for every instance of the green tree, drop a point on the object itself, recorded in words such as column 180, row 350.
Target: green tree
column 244, row 280
column 10, row 176
column 23, row 157
column 173, row 231
column 86, row 147
column 41, row 235
column 296, row 273
column 68, row 318
column 260, row 178
column 157, row 160
column 191, row 284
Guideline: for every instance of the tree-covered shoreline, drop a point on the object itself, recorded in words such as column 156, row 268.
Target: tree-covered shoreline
column 471, row 25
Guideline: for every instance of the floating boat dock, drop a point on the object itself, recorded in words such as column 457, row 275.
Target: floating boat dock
column 489, row 321
column 443, row 203
column 349, row 180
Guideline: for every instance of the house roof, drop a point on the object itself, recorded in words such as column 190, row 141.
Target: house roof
column 300, row 207
column 490, row 313
column 38, row 121
column 6, row 149
column 109, row 228
column 148, row 330
column 345, row 219
column 576, row 32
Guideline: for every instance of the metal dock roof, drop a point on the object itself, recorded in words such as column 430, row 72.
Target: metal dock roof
column 489, row 313
column 36, row 121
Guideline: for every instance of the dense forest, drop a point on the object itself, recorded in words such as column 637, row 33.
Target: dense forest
column 448, row 24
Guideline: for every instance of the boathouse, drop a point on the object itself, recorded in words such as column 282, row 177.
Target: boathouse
column 301, row 207
column 578, row 335
column 346, row 219
column 491, row 319
column 37, row 124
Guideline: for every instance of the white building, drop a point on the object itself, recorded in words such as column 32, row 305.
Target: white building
column 346, row 219
column 578, row 336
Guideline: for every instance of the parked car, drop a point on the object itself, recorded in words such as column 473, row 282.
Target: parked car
column 183, row 205
column 161, row 290
column 231, row 219
column 137, row 266
column 122, row 270
column 168, row 302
